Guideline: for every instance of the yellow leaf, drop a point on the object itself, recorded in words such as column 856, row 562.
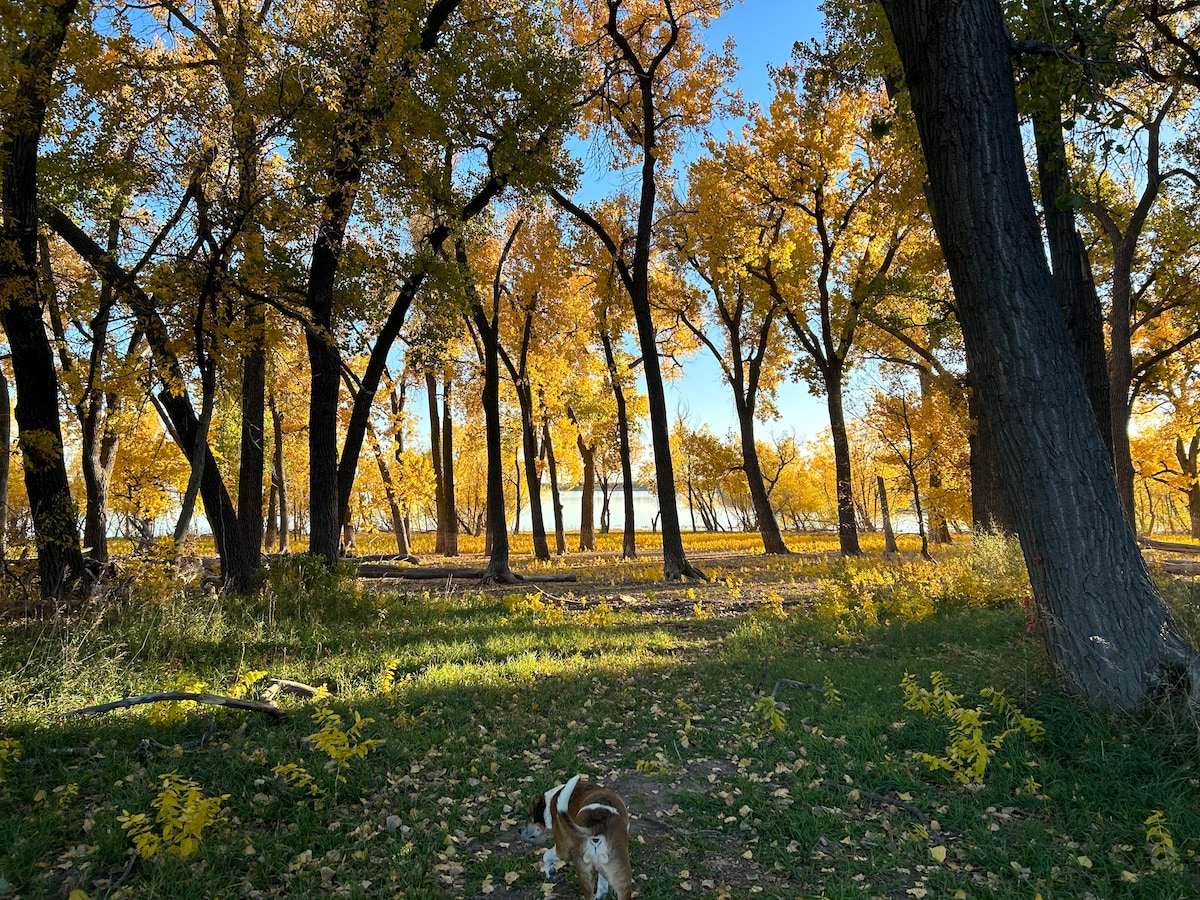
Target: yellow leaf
column 938, row 853
column 1084, row 861
column 77, row 894
column 39, row 796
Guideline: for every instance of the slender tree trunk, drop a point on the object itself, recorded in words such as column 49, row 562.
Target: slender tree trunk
column 847, row 523
column 278, row 480
column 435, row 454
column 560, row 537
column 768, row 526
column 5, row 459
column 498, row 570
column 1107, row 630
column 450, row 546
column 605, row 507
column 1189, row 464
column 889, row 536
column 587, row 502
column 629, row 540
column 533, row 481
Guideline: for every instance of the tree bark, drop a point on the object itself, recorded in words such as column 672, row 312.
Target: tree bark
column 1107, row 630
column 560, row 537
column 278, row 482
column 889, row 536
column 629, row 536
column 1072, row 270
column 587, row 501
column 55, row 517
column 435, row 457
column 847, row 522
column 450, row 545
column 5, row 460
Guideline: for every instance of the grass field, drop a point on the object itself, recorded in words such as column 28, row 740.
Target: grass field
column 449, row 709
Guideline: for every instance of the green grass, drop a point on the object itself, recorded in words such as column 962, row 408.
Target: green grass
column 494, row 698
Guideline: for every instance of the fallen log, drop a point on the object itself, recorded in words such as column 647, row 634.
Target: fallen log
column 269, row 709
column 1169, row 546
column 446, row 573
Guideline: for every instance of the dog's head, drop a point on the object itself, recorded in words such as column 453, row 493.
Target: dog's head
column 537, row 825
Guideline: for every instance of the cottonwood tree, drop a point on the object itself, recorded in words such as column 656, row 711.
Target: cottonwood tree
column 459, row 121
column 714, row 230
column 648, row 82
column 35, row 36
column 1107, row 630
column 838, row 197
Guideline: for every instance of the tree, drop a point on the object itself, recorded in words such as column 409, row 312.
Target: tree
column 36, row 38
column 715, row 233
column 1107, row 630
column 838, row 197
column 648, row 82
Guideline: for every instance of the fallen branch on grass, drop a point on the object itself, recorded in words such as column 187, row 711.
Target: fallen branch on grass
column 878, row 798
column 799, row 684
column 273, row 687
column 149, row 745
column 269, row 709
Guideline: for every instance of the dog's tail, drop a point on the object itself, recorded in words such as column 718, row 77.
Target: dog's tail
column 596, row 818
column 589, row 820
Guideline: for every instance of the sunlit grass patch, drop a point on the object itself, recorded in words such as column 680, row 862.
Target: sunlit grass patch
column 457, row 708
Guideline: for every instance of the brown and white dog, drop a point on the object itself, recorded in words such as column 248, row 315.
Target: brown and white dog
column 590, row 826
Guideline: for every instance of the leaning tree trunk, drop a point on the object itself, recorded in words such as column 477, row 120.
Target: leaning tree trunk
column 1107, row 630
column 768, row 526
column 990, row 509
column 889, row 536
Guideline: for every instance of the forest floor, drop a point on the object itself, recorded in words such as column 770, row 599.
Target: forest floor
column 803, row 726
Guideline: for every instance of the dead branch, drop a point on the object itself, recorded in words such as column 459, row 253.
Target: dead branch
column 1169, row 546
column 799, row 684
column 269, row 709
column 276, row 686
column 878, row 798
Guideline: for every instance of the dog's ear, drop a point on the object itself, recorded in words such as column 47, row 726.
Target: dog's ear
column 537, row 809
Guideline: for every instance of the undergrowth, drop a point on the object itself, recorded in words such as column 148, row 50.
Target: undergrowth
column 770, row 730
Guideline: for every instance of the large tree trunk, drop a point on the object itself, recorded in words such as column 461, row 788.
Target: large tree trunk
column 1107, row 630
column 990, row 508
column 1072, row 270
column 847, row 523
column 533, row 481
column 55, row 518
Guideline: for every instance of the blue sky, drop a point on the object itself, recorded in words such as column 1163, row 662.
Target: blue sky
column 764, row 31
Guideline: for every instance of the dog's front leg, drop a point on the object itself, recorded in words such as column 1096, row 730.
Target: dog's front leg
column 549, row 858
